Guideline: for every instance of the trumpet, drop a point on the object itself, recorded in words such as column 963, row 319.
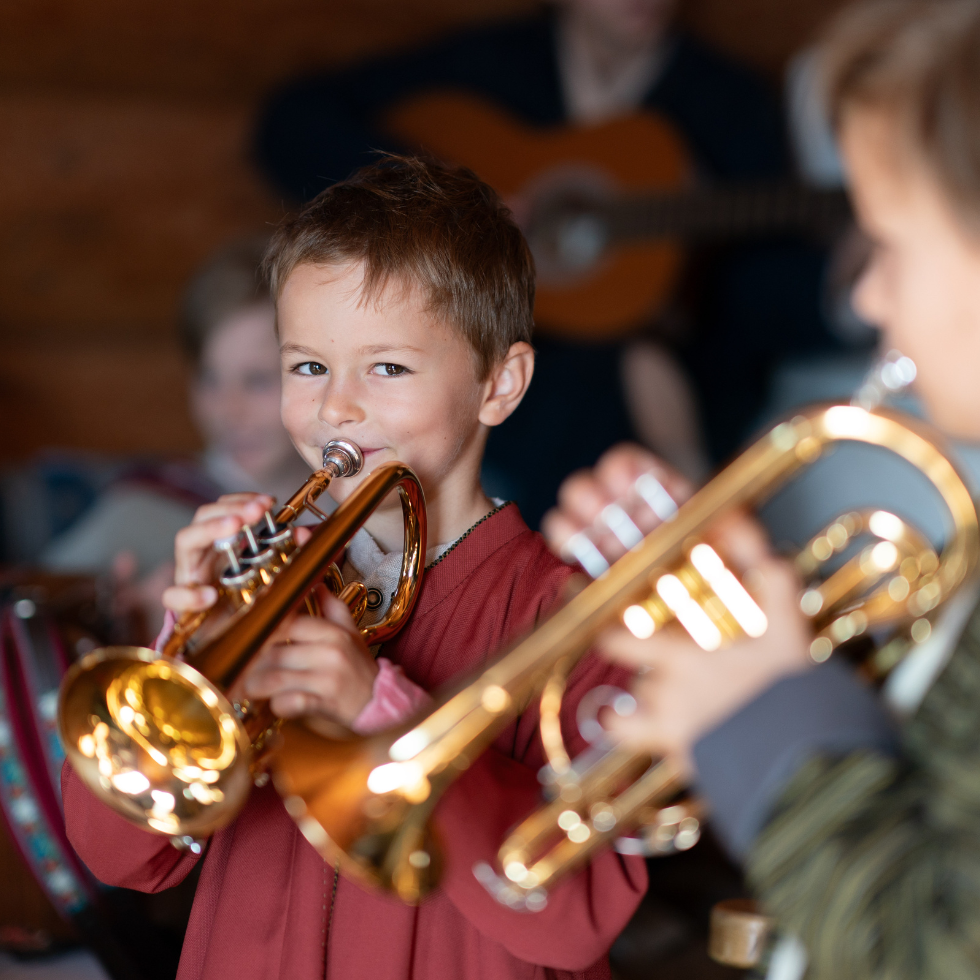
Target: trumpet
column 155, row 735
column 364, row 804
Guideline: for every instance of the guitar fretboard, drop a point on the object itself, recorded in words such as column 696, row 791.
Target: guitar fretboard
column 726, row 212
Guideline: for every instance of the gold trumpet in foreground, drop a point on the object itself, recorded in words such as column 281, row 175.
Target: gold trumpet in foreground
column 365, row 803
column 155, row 735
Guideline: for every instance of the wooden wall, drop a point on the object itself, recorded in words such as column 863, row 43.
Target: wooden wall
column 123, row 163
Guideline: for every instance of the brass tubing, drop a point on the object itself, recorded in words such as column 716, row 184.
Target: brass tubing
column 222, row 659
column 366, row 805
column 157, row 738
column 619, row 766
column 660, row 781
column 763, row 467
column 307, row 493
column 189, row 622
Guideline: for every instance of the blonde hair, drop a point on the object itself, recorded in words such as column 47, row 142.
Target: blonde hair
column 918, row 61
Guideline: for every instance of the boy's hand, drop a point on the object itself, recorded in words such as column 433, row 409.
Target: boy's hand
column 195, row 559
column 583, row 495
column 686, row 691
column 315, row 667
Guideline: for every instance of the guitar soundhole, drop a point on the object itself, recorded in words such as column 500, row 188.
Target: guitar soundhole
column 567, row 226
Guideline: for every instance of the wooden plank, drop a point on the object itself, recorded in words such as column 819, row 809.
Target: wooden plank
column 124, row 164
column 108, row 204
column 114, row 397
column 240, row 48
column 231, row 48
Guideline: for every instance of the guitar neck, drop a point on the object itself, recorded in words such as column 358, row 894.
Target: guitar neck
column 726, row 212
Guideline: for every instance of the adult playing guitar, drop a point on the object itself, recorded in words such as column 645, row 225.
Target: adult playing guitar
column 645, row 106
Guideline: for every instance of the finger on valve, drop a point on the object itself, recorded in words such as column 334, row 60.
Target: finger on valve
column 248, row 507
column 189, row 598
column 620, row 467
column 741, row 539
column 620, row 525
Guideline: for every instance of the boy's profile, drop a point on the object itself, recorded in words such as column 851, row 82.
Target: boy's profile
column 404, row 300
column 859, row 836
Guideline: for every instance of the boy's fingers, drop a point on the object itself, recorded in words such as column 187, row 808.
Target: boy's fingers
column 558, row 527
column 742, row 541
column 316, row 655
column 302, row 535
column 581, row 498
column 621, row 645
column 189, row 598
column 201, row 537
column 338, row 613
column 248, row 507
column 320, row 687
column 313, row 629
column 620, row 467
column 293, row 704
column 299, row 704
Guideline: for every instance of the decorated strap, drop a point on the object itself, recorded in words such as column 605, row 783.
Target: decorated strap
column 29, row 801
column 41, row 662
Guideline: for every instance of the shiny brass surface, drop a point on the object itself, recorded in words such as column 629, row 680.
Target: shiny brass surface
column 364, row 803
column 738, row 933
column 157, row 736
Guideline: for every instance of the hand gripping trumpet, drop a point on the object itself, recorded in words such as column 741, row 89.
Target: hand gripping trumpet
column 155, row 735
column 365, row 803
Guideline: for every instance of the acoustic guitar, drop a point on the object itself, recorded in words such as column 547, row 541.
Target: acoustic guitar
column 606, row 209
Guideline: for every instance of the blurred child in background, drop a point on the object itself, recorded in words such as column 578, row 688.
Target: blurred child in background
column 228, row 332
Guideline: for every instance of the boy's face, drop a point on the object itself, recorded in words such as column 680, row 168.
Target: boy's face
column 922, row 283
column 383, row 373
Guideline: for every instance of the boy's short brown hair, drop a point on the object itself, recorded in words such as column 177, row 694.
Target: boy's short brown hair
column 917, row 61
column 435, row 227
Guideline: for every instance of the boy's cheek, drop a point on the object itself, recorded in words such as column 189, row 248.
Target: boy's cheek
column 299, row 420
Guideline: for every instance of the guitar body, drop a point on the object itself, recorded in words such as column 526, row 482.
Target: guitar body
column 640, row 153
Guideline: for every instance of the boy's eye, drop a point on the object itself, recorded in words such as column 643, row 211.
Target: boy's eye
column 389, row 370
column 313, row 368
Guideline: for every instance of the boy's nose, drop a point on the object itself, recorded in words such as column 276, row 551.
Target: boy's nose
column 340, row 405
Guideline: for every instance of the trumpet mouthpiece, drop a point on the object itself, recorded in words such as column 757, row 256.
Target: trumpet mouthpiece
column 342, row 457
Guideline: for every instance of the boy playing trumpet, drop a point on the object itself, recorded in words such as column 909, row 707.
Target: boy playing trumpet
column 860, row 837
column 404, row 301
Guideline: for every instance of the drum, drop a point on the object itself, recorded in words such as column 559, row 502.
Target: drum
column 46, row 887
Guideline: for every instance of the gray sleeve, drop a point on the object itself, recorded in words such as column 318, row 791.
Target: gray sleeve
column 744, row 764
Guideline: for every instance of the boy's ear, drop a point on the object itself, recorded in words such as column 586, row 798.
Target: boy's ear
column 507, row 383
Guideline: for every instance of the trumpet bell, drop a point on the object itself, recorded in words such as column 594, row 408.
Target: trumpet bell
column 154, row 735
column 381, row 839
column 156, row 740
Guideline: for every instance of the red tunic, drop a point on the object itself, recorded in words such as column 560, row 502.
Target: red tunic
column 264, row 897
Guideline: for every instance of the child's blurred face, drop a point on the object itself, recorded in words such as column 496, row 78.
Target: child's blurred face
column 235, row 396
column 631, row 23
column 382, row 372
column 922, row 283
